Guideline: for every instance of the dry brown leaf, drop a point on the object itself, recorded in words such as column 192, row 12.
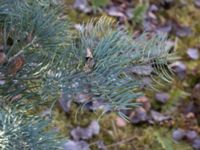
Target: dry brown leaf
column 89, row 53
column 89, row 61
column 16, row 63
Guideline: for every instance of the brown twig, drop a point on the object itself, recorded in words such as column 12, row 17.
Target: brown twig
column 120, row 142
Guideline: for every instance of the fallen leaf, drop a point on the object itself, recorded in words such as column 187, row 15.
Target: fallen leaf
column 115, row 12
column 182, row 31
column 179, row 68
column 81, row 133
column 89, row 53
column 153, row 8
column 150, row 24
column 193, row 53
column 101, row 145
column 178, row 134
column 162, row 97
column 16, row 63
column 94, row 127
column 86, row 133
column 190, row 115
column 191, row 135
column 138, row 116
column 190, row 107
column 82, row 5
column 76, row 145
column 158, row 117
column 166, row 28
column 152, row 15
column 89, row 61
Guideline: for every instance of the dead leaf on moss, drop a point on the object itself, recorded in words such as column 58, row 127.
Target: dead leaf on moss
column 76, row 145
column 114, row 11
column 178, row 134
column 193, row 53
column 86, row 133
column 191, row 135
column 188, row 135
column 162, row 97
column 82, row 5
column 166, row 28
column 138, row 116
column 158, row 117
column 101, row 145
column 182, row 31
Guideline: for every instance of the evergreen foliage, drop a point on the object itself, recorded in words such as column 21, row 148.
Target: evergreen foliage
column 103, row 58
column 42, row 57
column 31, row 35
column 21, row 132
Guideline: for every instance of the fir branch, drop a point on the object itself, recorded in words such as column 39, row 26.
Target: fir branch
column 38, row 32
column 101, row 57
column 25, row 132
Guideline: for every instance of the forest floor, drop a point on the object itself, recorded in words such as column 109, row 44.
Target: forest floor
column 174, row 110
